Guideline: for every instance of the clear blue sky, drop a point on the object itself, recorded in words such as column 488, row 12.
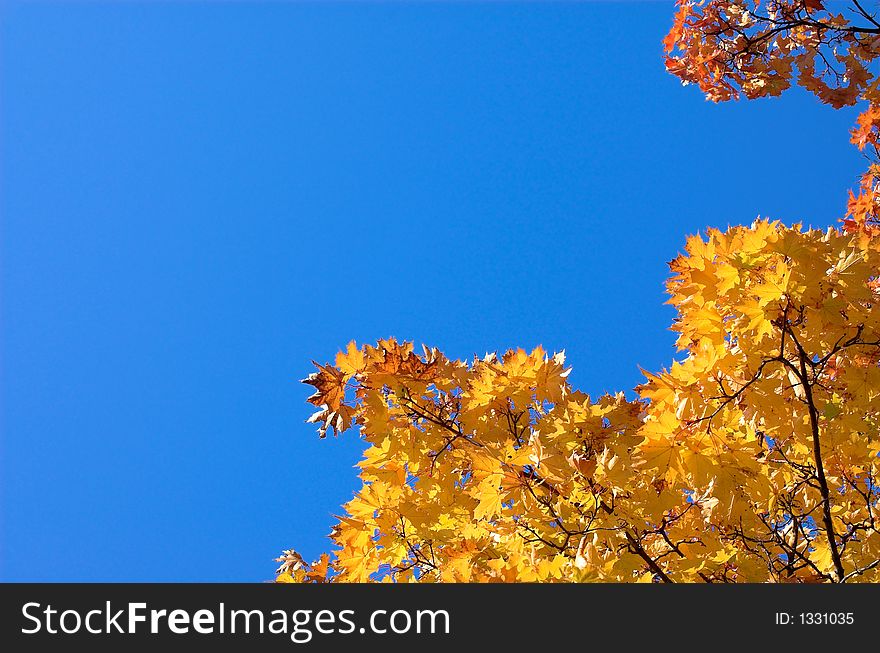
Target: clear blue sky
column 198, row 200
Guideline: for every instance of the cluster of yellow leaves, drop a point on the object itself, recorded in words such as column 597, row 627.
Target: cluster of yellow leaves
column 778, row 401
column 497, row 470
column 473, row 468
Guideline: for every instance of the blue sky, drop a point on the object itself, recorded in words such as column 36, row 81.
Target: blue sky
column 198, row 200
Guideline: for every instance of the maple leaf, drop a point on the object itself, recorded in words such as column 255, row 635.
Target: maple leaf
column 329, row 385
column 350, row 362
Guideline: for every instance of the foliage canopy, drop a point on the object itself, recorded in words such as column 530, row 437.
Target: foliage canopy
column 753, row 459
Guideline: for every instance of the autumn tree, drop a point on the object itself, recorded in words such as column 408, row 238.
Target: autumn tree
column 756, row 458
